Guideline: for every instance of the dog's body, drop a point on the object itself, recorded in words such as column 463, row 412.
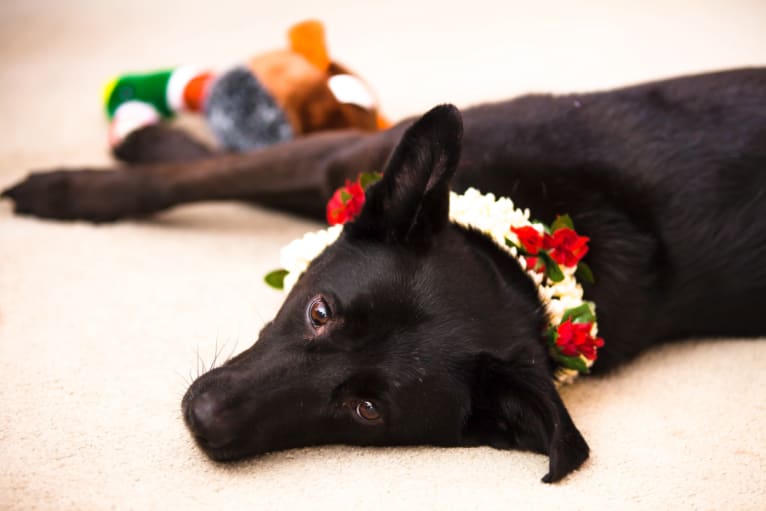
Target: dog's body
column 667, row 179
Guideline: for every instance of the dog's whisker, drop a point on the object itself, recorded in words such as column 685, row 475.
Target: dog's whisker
column 200, row 364
column 219, row 347
column 258, row 314
column 184, row 378
column 233, row 350
column 215, row 355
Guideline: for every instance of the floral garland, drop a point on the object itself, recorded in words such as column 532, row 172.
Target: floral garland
column 552, row 257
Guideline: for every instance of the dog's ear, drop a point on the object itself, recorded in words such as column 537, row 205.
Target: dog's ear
column 519, row 407
column 411, row 201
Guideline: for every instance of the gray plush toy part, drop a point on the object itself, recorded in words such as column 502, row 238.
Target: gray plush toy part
column 243, row 115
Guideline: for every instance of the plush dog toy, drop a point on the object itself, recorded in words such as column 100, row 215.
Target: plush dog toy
column 272, row 98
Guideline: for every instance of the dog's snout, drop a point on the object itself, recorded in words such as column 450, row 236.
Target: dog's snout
column 210, row 421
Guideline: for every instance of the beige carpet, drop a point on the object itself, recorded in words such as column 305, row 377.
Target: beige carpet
column 101, row 326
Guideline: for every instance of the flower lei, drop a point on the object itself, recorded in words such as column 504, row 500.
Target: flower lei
column 552, row 257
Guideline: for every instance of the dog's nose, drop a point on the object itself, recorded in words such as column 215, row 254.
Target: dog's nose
column 210, row 421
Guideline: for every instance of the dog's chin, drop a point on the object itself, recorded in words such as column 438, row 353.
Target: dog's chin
column 227, row 454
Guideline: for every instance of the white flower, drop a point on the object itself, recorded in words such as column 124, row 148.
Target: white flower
column 298, row 254
column 483, row 212
column 495, row 217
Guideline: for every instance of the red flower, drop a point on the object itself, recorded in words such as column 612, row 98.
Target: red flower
column 566, row 246
column 574, row 339
column 345, row 204
column 529, row 237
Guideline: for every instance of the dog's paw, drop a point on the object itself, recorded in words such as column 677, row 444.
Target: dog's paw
column 97, row 196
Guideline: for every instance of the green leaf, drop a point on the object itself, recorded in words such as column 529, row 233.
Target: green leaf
column 514, row 245
column 345, row 196
column 585, row 274
column 368, row 178
column 552, row 270
column 276, row 278
column 576, row 363
column 562, row 221
column 580, row 314
column 551, row 336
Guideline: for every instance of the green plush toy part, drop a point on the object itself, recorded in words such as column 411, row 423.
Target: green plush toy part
column 137, row 99
column 168, row 90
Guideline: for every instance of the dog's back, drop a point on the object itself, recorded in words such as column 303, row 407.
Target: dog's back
column 681, row 166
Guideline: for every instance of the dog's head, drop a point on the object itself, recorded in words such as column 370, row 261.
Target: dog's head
column 407, row 330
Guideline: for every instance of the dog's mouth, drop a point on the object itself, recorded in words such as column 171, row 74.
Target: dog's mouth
column 222, row 454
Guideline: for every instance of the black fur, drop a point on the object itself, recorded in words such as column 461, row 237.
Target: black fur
column 157, row 143
column 443, row 331
column 433, row 324
column 447, row 361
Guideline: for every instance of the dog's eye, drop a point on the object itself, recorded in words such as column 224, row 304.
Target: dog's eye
column 366, row 411
column 318, row 312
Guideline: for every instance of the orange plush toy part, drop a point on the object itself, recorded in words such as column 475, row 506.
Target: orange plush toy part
column 315, row 92
column 308, row 39
column 278, row 95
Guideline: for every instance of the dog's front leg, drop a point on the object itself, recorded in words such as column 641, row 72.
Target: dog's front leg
column 298, row 177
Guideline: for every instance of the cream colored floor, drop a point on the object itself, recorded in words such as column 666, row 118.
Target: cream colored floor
column 100, row 326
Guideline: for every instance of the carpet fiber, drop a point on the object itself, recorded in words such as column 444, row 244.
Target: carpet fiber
column 101, row 327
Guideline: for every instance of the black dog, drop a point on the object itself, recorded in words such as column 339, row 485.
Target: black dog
column 411, row 330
